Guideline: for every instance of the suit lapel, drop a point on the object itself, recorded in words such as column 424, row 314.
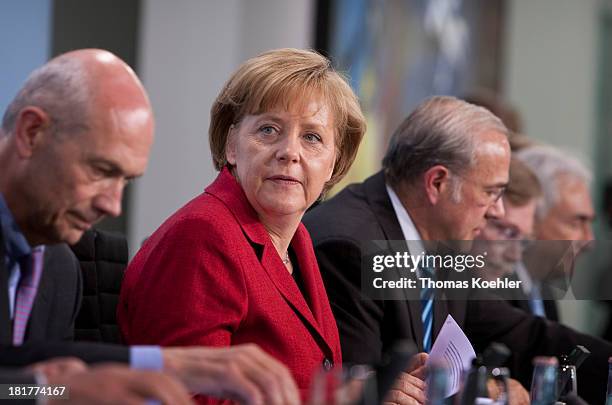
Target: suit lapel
column 287, row 287
column 380, row 203
column 5, row 318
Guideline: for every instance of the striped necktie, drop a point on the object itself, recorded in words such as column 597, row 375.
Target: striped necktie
column 535, row 301
column 427, row 300
column 31, row 269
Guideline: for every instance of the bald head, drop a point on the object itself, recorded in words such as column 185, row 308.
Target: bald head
column 73, row 85
column 78, row 129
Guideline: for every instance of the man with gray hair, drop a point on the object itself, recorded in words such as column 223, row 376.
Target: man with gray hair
column 565, row 211
column 564, row 214
column 80, row 128
column 443, row 176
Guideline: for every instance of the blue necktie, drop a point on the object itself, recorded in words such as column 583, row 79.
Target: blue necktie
column 535, row 301
column 427, row 300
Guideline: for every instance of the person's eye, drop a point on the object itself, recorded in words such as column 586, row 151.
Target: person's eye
column 495, row 194
column 267, row 130
column 312, row 137
column 101, row 172
column 491, row 194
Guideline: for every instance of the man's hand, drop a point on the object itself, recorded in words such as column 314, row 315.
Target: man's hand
column 517, row 394
column 58, row 367
column 117, row 384
column 409, row 388
column 244, row 373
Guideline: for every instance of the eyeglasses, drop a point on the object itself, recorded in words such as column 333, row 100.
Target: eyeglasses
column 493, row 193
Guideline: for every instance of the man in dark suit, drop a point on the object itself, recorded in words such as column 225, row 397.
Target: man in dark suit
column 78, row 130
column 564, row 213
column 444, row 173
column 504, row 239
column 57, row 302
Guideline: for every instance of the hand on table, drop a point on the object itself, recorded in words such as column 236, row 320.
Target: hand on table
column 517, row 394
column 409, row 388
column 244, row 373
column 118, row 384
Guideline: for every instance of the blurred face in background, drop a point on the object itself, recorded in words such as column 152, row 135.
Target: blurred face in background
column 567, row 226
column 572, row 216
column 504, row 238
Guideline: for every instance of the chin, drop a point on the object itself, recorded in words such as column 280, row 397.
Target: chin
column 464, row 245
column 285, row 210
column 284, row 207
column 72, row 236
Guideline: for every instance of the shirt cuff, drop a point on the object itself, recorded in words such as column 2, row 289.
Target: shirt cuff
column 146, row 358
column 41, row 379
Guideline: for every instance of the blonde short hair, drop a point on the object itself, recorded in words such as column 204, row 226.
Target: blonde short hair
column 282, row 77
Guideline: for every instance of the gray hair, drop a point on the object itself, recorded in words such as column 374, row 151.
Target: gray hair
column 549, row 164
column 60, row 89
column 440, row 131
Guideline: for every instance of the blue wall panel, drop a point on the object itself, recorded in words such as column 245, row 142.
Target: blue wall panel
column 25, row 39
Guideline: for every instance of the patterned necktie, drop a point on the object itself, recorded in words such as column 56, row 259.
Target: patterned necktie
column 427, row 300
column 31, row 269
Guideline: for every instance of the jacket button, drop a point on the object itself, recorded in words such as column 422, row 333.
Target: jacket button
column 327, row 364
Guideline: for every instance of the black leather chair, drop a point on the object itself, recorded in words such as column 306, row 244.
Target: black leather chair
column 103, row 257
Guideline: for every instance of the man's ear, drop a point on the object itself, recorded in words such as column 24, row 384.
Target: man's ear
column 436, row 182
column 30, row 125
column 230, row 145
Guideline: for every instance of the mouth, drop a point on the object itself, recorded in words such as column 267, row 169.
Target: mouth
column 284, row 180
column 81, row 223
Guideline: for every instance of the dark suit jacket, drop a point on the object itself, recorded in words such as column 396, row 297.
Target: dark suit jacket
column 57, row 300
column 211, row 276
column 362, row 213
column 51, row 322
column 521, row 301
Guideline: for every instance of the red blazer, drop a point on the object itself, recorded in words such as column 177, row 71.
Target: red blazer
column 211, row 276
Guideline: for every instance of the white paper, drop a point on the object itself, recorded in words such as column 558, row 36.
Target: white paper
column 452, row 350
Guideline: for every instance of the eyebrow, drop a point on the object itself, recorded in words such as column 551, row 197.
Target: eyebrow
column 271, row 117
column 499, row 185
column 113, row 168
column 279, row 120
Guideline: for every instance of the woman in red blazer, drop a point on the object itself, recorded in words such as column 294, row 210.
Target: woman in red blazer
column 235, row 265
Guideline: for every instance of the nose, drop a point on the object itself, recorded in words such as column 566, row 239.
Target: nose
column 108, row 201
column 289, row 148
column 496, row 210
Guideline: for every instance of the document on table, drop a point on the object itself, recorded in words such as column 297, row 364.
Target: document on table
column 452, row 350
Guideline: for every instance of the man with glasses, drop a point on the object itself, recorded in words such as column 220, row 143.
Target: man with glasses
column 443, row 176
column 504, row 240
